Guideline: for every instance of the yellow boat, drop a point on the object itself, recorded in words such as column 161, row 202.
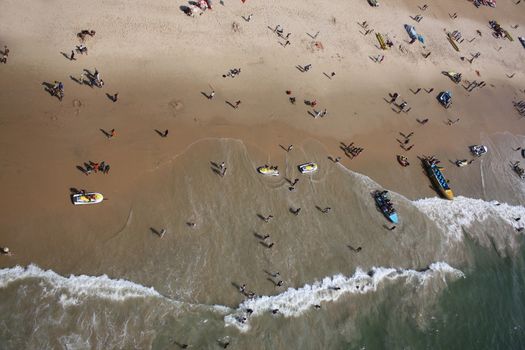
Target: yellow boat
column 381, row 41
column 268, row 170
column 87, row 198
column 437, row 178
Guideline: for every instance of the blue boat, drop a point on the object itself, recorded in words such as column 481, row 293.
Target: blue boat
column 385, row 206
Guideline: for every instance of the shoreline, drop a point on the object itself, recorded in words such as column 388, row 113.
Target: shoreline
column 44, row 139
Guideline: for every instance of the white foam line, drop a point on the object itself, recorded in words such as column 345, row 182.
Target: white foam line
column 75, row 289
column 295, row 302
column 78, row 287
column 452, row 216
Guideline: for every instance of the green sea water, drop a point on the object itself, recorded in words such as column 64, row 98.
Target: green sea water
column 484, row 310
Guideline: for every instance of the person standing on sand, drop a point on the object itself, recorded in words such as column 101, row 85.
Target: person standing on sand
column 237, row 103
column 268, row 218
column 115, row 97
column 212, row 95
column 112, row 134
column 72, row 57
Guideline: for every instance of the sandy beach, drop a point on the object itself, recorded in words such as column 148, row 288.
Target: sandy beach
column 163, row 63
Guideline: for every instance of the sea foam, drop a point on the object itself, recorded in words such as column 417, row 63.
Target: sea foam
column 73, row 289
column 294, row 302
column 452, row 216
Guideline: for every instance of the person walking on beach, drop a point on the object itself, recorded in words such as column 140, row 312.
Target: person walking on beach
column 212, row 95
column 296, row 211
column 112, row 134
column 237, row 103
column 115, row 97
column 268, row 218
column 162, row 233
column 165, row 133
column 72, row 57
column 289, row 148
column 393, row 97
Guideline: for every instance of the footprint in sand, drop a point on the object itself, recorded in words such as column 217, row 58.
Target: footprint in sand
column 176, row 106
column 77, row 104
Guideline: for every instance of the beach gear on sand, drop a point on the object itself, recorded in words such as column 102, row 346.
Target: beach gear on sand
column 452, row 42
column 373, row 3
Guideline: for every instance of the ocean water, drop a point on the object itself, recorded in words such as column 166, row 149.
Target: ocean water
column 449, row 276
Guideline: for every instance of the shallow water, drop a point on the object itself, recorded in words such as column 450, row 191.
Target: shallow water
column 400, row 291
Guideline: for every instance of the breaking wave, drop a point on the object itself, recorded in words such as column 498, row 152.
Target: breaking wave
column 74, row 289
column 295, row 302
column 452, row 216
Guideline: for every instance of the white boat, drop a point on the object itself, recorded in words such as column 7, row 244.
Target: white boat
column 307, row 168
column 478, row 150
column 461, row 162
column 268, row 170
column 87, row 198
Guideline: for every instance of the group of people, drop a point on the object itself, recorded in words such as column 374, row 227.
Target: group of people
column 95, row 167
column 405, row 142
column 280, row 33
column 57, row 90
column 220, row 169
column 352, row 151
column 232, row 73
column 520, row 107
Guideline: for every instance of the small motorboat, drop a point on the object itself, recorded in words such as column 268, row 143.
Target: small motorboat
column 461, row 162
column 385, row 205
column 307, row 168
column 268, row 170
column 86, row 198
column 403, row 160
column 478, row 150
column 445, row 98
